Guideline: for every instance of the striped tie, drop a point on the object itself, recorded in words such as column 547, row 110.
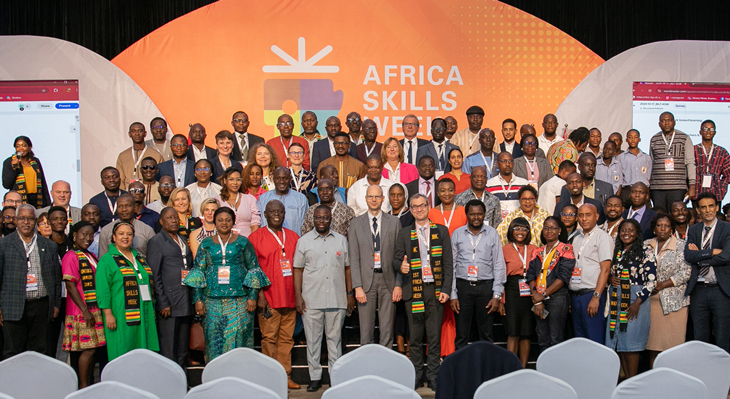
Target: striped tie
column 706, row 269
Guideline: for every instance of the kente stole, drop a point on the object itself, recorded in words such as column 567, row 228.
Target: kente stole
column 132, row 297
column 417, row 306
column 620, row 306
column 21, row 186
column 88, row 282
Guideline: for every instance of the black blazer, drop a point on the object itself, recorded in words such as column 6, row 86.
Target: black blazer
column 106, row 214
column 563, row 202
column 412, row 188
column 704, row 257
column 645, row 222
column 218, row 168
column 168, row 169
column 166, row 262
column 321, row 151
column 210, row 153
column 14, row 273
column 421, row 143
column 252, row 139
column 603, row 190
column 403, row 248
column 516, row 149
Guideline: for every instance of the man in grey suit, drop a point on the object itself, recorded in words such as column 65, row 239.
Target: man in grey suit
column 372, row 245
column 439, row 148
column 61, row 194
column 536, row 170
column 170, row 259
column 587, row 168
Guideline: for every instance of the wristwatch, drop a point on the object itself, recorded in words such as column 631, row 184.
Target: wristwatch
column 495, row 296
column 351, row 293
column 596, row 294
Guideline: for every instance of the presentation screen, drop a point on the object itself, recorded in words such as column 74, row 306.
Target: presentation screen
column 47, row 111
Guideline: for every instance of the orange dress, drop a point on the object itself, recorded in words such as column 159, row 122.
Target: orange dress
column 461, row 185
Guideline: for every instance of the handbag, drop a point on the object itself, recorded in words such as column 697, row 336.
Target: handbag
column 197, row 338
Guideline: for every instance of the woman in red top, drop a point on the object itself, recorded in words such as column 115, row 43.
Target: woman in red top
column 252, row 177
column 460, row 179
column 448, row 213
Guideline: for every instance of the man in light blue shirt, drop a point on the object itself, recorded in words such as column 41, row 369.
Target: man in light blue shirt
column 485, row 156
column 609, row 167
column 295, row 203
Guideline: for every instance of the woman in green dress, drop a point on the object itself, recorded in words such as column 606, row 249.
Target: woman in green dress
column 124, row 294
column 226, row 281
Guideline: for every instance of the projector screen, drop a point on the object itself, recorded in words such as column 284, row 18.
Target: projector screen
column 691, row 103
column 47, row 111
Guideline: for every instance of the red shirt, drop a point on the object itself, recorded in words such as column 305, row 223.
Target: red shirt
column 280, row 294
column 278, row 143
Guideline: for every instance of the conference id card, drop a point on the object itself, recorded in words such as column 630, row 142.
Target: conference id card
column 184, row 274
column 472, row 272
column 524, row 288
column 576, row 277
column 427, row 274
column 31, row 282
column 669, row 164
column 144, row 292
column 706, row 181
column 224, row 274
column 285, row 267
column 376, row 260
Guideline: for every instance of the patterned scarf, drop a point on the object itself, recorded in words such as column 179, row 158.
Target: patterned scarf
column 417, row 306
column 22, row 187
column 549, row 261
column 132, row 297
column 619, row 306
column 88, row 282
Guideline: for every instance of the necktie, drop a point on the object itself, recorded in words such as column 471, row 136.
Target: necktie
column 410, row 152
column 244, row 149
column 376, row 237
column 441, row 157
column 708, row 243
column 428, row 193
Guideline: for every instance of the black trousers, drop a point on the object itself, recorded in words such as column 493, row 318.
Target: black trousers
column 174, row 333
column 473, row 300
column 710, row 311
column 428, row 322
column 28, row 333
column 664, row 198
column 55, row 327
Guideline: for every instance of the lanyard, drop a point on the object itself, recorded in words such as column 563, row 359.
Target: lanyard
column 491, row 162
column 138, row 161
column 484, row 195
column 523, row 258
column 424, row 240
column 471, row 142
column 668, row 149
column 164, row 147
column 474, row 245
column 29, row 249
column 545, row 255
column 505, row 191
column 281, row 244
column 286, row 150
column 111, row 208
column 447, row 222
column 370, row 151
column 633, row 213
column 531, row 166
column 236, row 203
column 708, row 156
column 183, row 246
column 224, row 246
column 708, row 236
column 297, row 181
column 583, row 244
column 133, row 261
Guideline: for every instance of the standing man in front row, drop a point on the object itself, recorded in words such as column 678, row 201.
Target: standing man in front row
column 30, row 282
column 323, row 291
column 708, row 251
column 372, row 238
column 479, row 275
column 423, row 256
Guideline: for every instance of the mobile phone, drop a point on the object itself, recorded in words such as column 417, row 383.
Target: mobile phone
column 266, row 313
column 545, row 312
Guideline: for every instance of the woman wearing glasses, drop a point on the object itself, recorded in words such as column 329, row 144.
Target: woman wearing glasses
column 203, row 188
column 302, row 180
column 247, row 215
column 569, row 217
column 530, row 211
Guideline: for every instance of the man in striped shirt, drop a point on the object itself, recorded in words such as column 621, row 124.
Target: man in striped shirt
column 673, row 164
column 506, row 185
column 713, row 164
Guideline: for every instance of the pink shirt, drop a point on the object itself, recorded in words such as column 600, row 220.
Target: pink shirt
column 247, row 214
column 70, row 270
column 407, row 173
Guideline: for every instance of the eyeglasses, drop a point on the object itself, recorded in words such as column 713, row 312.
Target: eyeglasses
column 205, row 169
column 283, row 124
column 178, row 145
column 521, row 228
column 297, row 153
column 24, row 219
column 421, row 206
column 239, row 120
column 567, row 214
column 506, row 161
column 708, row 129
column 322, row 218
column 136, row 190
column 551, row 228
column 351, row 120
column 159, row 126
column 149, row 167
column 167, row 185
column 439, row 129
column 410, row 124
column 530, row 144
column 528, row 199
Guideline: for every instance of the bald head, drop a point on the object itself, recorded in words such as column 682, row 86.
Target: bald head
column 61, row 193
column 587, row 217
column 374, row 198
column 527, row 129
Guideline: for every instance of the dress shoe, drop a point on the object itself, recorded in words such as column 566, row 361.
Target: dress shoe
column 432, row 384
column 314, row 386
column 293, row 385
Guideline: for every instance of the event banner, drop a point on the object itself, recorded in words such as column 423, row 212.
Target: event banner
column 382, row 58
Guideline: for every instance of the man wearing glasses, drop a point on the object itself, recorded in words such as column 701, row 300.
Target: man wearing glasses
column 203, row 188
column 159, row 143
column 410, row 144
column 141, row 212
column 164, row 189
column 348, row 168
column 243, row 139
column 12, row 198
column 506, row 185
column 438, row 148
column 354, row 127
column 281, row 144
column 713, row 164
column 179, row 167
column 531, row 167
column 149, row 179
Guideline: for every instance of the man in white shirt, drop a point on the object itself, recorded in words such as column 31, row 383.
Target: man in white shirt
column 243, row 139
column 506, row 185
column 356, row 197
column 549, row 193
column 549, row 135
column 411, row 143
column 198, row 150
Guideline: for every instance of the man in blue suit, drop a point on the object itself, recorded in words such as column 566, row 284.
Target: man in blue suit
column 708, row 251
column 439, row 148
column 325, row 148
column 411, row 144
column 639, row 211
column 180, row 167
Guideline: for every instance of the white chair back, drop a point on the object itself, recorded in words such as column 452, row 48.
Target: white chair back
column 589, row 367
column 111, row 390
column 148, row 371
column 661, row 383
column 373, row 359
column 701, row 360
column 369, row 387
column 4, row 396
column 249, row 365
column 33, row 375
column 525, row 384
column 231, row 387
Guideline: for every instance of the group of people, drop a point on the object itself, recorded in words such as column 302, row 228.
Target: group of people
column 561, row 236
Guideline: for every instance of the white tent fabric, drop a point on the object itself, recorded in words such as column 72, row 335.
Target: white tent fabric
column 369, row 387
column 661, row 383
column 33, row 375
column 373, row 359
column 111, row 390
column 149, row 371
column 250, row 365
column 231, row 387
column 594, row 379
column 525, row 384
column 708, row 363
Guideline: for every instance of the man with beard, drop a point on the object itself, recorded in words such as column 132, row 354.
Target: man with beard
column 325, row 148
column 8, row 222
column 509, row 130
column 576, row 196
column 639, row 211
column 159, row 143
column 149, row 180
column 506, row 185
column 92, row 214
column 354, row 126
column 198, row 150
column 680, row 215
column 167, row 184
column 593, row 188
column 349, row 169
column 341, row 213
column 107, row 199
column 614, row 209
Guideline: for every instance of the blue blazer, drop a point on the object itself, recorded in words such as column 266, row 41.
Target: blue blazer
column 321, row 151
column 704, row 257
column 430, row 150
column 645, row 222
column 166, row 168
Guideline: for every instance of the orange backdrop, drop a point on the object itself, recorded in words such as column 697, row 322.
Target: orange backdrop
column 386, row 59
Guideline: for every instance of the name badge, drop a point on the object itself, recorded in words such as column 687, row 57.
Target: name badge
column 427, row 274
column 575, row 278
column 524, row 288
column 706, row 181
column 144, row 292
column 184, row 274
column 224, row 274
column 376, row 260
column 285, row 267
column 472, row 272
column 700, row 279
column 669, row 164
column 504, row 213
column 31, row 283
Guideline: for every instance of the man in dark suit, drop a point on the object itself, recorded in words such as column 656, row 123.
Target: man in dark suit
column 170, row 259
column 438, row 148
column 244, row 140
column 708, row 251
column 587, row 168
column 198, row 150
column 377, row 286
column 368, row 146
column 426, row 183
column 509, row 130
column 410, row 143
column 639, row 211
column 179, row 167
column 324, row 148
column 30, row 285
column 574, row 188
column 424, row 259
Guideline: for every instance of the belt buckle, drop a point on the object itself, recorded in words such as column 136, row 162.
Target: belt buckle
column 472, row 283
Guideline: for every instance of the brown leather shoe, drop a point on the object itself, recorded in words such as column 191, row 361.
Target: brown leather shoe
column 293, row 385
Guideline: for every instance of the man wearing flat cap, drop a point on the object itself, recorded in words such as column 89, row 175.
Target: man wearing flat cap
column 468, row 139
